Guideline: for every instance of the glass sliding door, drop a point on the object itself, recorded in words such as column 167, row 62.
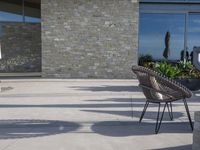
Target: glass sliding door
column 20, row 36
column 153, row 29
column 156, row 19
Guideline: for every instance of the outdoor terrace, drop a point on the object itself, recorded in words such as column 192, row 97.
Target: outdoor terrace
column 58, row 114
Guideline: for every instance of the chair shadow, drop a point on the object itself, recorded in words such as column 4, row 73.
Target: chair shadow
column 14, row 129
column 131, row 128
column 134, row 103
column 108, row 88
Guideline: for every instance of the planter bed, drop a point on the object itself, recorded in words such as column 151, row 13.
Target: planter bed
column 192, row 84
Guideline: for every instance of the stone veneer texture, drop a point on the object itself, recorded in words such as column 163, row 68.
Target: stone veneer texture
column 89, row 38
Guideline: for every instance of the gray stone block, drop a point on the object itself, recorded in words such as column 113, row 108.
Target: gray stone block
column 89, row 39
column 197, row 116
column 196, row 133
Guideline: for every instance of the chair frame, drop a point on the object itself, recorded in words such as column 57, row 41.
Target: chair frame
column 185, row 93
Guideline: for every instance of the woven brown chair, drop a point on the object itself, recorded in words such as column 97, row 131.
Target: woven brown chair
column 160, row 89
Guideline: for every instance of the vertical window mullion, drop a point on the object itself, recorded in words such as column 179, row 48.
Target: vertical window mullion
column 186, row 35
column 23, row 11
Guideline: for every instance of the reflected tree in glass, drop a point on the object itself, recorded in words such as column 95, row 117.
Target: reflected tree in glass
column 166, row 52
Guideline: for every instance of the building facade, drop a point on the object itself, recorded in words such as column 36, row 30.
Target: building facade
column 91, row 38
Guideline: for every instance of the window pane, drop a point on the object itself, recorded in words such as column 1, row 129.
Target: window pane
column 11, row 10
column 20, row 47
column 153, row 29
column 194, row 31
column 32, row 11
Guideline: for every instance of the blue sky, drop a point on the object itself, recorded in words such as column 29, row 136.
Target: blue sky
column 153, row 28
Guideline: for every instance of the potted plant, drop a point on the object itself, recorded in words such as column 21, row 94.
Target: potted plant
column 185, row 73
column 190, row 76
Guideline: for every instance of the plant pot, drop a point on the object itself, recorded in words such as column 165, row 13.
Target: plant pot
column 192, row 84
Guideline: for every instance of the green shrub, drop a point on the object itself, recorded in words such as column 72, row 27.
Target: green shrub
column 167, row 69
column 184, row 70
column 143, row 59
column 187, row 66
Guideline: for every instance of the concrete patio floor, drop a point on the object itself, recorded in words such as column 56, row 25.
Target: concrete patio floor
column 58, row 114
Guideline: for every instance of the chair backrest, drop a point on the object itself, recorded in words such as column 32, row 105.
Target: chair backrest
column 149, row 79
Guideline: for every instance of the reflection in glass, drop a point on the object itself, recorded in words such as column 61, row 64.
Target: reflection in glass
column 20, row 47
column 193, row 31
column 20, row 42
column 11, row 10
column 32, row 11
column 153, row 28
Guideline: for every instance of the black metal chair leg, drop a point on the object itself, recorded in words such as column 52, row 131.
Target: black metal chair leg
column 188, row 113
column 171, row 110
column 169, row 107
column 158, row 123
column 144, row 110
column 158, row 116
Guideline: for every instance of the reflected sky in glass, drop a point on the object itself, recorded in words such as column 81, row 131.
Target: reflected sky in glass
column 32, row 19
column 11, row 17
column 194, row 31
column 153, row 28
column 5, row 16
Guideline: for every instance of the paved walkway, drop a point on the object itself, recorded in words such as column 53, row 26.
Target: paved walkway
column 44, row 114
